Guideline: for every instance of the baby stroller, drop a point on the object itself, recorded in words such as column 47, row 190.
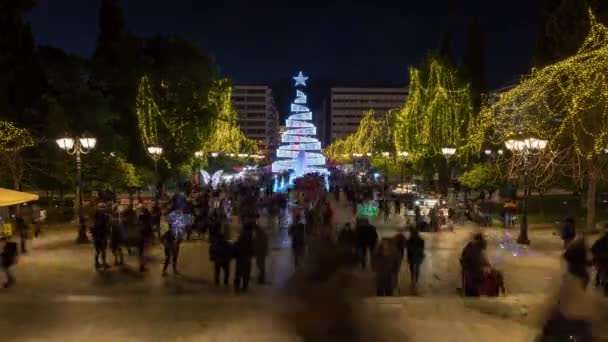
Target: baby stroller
column 494, row 284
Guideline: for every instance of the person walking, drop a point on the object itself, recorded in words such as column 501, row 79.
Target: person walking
column 385, row 264
column 297, row 231
column 571, row 317
column 474, row 263
column 244, row 251
column 170, row 245
column 261, row 246
column 220, row 253
column 367, row 238
column 415, row 256
column 568, row 231
column 599, row 250
column 100, row 233
column 117, row 237
column 23, row 231
column 9, row 259
column 146, row 222
column 508, row 213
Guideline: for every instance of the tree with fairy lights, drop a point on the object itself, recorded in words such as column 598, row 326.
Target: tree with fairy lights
column 437, row 113
column 374, row 135
column 300, row 150
column 13, row 140
column 225, row 135
column 564, row 103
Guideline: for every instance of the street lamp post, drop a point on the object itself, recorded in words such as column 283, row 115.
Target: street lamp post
column 78, row 146
column 524, row 147
column 155, row 152
column 403, row 156
column 448, row 152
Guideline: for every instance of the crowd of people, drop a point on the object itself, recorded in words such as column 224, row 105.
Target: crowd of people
column 210, row 213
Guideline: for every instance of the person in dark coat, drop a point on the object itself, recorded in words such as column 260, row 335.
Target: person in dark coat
column 156, row 218
column 568, row 231
column 571, row 317
column 117, row 237
column 243, row 252
column 170, row 242
column 400, row 244
column 9, row 259
column 146, row 222
column 367, row 238
column 385, row 263
column 415, row 255
column 261, row 246
column 347, row 240
column 473, row 262
column 599, row 250
column 101, row 232
column 297, row 231
column 23, row 230
column 220, row 253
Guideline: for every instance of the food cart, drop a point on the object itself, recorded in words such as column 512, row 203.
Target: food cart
column 10, row 198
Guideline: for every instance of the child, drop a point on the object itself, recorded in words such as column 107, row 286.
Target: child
column 9, row 258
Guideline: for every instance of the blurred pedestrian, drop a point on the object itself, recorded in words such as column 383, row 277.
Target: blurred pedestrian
column 170, row 243
column 297, row 231
column 221, row 253
column 145, row 237
column 568, row 231
column 385, row 264
column 244, row 250
column 100, row 233
column 367, row 238
column 571, row 318
column 415, row 256
column 261, row 252
column 600, row 258
column 9, row 259
column 117, row 237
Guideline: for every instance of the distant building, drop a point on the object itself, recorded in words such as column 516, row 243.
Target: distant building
column 349, row 104
column 257, row 116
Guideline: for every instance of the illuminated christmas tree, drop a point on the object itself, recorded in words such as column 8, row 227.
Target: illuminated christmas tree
column 300, row 150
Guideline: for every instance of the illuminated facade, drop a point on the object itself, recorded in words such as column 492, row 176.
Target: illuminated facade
column 300, row 150
column 257, row 115
column 348, row 106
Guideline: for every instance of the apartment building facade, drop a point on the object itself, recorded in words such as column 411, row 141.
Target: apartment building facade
column 348, row 105
column 257, row 115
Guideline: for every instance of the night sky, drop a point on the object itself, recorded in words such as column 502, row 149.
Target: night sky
column 347, row 42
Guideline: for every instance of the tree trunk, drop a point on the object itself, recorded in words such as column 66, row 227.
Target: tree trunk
column 591, row 191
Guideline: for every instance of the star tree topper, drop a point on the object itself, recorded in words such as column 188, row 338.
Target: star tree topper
column 300, row 79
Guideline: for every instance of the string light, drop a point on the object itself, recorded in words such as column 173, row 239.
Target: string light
column 564, row 103
column 438, row 112
column 226, row 136
column 13, row 138
column 375, row 133
column 147, row 113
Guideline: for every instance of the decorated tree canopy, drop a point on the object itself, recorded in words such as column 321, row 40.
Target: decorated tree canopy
column 13, row 138
column 225, row 134
column 300, row 150
column 374, row 135
column 437, row 113
column 564, row 103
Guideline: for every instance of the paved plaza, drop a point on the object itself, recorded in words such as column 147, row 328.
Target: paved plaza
column 59, row 296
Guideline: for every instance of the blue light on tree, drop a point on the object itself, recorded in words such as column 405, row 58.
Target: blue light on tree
column 301, row 150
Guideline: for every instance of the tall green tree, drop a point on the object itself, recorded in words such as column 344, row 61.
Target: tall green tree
column 473, row 61
column 563, row 27
column 565, row 104
column 22, row 82
column 437, row 113
column 116, row 67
